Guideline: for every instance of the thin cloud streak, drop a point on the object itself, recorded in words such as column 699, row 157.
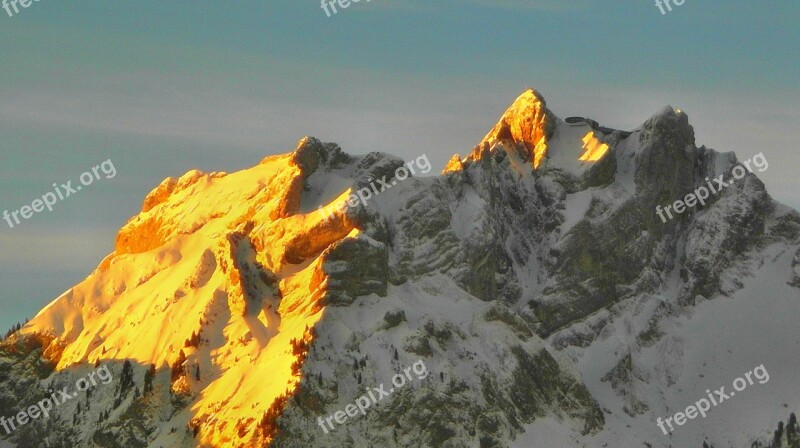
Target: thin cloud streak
column 744, row 124
column 419, row 6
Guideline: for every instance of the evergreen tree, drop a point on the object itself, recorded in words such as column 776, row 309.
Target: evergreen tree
column 126, row 379
column 792, row 432
column 778, row 435
column 148, row 379
column 177, row 367
column 193, row 341
column 14, row 328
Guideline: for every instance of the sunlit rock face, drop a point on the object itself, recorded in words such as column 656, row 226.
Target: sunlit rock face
column 234, row 258
column 523, row 129
column 532, row 135
column 594, row 149
column 526, row 125
column 519, row 276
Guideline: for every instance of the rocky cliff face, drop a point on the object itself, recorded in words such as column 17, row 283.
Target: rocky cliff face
column 546, row 299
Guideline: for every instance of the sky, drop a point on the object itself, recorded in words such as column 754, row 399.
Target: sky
column 160, row 88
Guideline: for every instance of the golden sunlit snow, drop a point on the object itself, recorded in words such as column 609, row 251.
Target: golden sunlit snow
column 189, row 263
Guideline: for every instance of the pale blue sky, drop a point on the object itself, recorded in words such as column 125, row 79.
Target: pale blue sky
column 164, row 87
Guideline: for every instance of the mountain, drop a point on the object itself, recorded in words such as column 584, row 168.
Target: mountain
column 529, row 295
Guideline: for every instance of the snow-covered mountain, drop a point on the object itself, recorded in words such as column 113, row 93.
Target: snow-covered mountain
column 548, row 302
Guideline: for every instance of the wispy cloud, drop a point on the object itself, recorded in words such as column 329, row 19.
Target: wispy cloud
column 393, row 119
column 421, row 6
column 534, row 4
column 64, row 248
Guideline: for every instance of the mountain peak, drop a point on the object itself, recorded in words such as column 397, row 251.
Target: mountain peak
column 522, row 129
column 526, row 123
